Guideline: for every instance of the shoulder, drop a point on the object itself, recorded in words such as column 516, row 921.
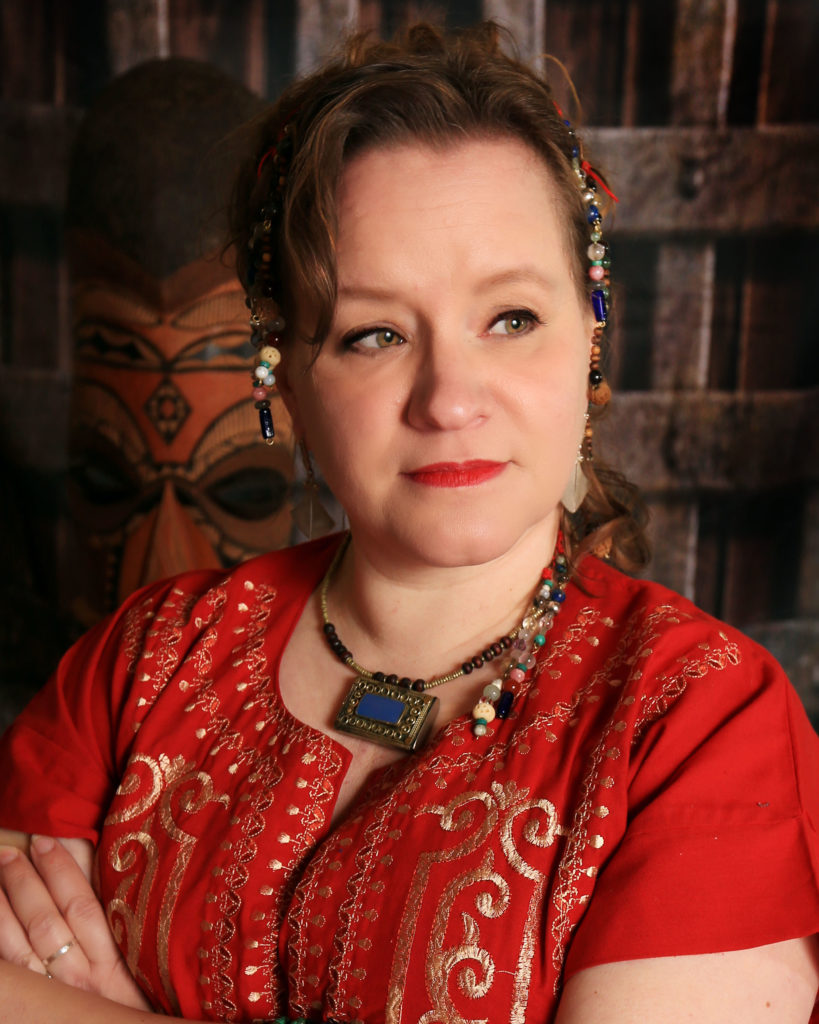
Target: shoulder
column 686, row 676
column 665, row 629
column 195, row 596
column 194, row 615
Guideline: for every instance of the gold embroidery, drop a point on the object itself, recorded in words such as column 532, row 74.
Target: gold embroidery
column 500, row 808
column 175, row 790
column 634, row 644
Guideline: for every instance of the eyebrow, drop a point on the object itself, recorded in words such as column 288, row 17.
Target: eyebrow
column 517, row 275
column 514, row 275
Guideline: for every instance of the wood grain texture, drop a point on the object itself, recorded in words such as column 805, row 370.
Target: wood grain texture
column 695, row 180
column 688, row 442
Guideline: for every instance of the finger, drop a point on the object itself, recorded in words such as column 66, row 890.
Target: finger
column 75, row 900
column 46, row 930
column 14, row 945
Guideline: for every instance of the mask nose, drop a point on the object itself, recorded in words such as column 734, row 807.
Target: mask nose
column 167, row 542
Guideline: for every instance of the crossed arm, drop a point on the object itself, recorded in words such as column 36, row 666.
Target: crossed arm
column 47, row 903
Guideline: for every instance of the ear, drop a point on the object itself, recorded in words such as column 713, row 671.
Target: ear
column 285, row 372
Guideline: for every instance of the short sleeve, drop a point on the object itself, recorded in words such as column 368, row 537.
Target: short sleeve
column 59, row 758
column 720, row 849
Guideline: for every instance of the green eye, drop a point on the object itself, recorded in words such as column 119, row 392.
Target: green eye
column 518, row 322
column 515, row 324
column 381, row 338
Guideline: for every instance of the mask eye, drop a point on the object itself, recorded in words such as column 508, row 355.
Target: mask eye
column 250, row 493
column 102, row 481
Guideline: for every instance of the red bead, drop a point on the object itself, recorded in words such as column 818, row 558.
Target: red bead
column 259, row 394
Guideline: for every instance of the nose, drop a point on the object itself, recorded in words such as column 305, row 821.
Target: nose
column 448, row 391
column 167, row 542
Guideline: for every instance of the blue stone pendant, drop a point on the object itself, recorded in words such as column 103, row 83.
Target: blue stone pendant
column 390, row 715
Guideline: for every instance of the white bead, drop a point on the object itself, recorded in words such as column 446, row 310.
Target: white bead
column 269, row 380
column 261, row 372
column 479, row 729
column 492, row 690
column 483, row 710
column 271, row 355
column 596, row 251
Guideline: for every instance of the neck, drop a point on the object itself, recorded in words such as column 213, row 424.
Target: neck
column 423, row 621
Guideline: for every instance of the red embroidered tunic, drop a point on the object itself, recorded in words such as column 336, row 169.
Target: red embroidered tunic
column 654, row 792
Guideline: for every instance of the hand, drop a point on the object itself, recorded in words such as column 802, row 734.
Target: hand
column 52, row 923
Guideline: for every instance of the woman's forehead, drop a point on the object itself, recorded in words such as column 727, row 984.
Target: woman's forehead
column 468, row 201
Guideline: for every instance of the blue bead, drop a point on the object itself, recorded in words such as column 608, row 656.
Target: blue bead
column 559, row 596
column 266, row 423
column 599, row 306
column 593, row 214
column 575, row 151
column 505, row 704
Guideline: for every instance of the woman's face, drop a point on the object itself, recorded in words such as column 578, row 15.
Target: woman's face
column 447, row 404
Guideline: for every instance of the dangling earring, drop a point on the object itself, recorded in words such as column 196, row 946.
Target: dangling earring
column 577, row 486
column 599, row 390
column 309, row 515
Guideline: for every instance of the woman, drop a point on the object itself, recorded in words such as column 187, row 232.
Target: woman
column 615, row 819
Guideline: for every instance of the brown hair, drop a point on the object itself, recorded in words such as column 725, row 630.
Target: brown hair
column 438, row 89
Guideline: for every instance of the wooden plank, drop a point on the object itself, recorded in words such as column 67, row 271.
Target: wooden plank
column 34, row 156
column 526, row 20
column 590, row 41
column 678, row 181
column 808, row 596
column 683, row 316
column 27, row 69
column 137, row 30
column 701, row 66
column 762, row 530
column 688, row 180
column 31, row 278
column 34, row 406
column 672, row 532
column 213, row 31
column 790, row 59
column 778, row 329
column 686, row 442
column 319, row 24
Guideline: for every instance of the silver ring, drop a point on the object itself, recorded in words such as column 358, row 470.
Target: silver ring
column 56, row 956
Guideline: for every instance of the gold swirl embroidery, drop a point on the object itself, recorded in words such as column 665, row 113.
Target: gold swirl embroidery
column 175, row 789
column 503, row 805
column 441, row 962
column 459, row 815
column 187, row 793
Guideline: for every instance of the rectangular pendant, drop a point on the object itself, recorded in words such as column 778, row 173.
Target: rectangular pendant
column 390, row 715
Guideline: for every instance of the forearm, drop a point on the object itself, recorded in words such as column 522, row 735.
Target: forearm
column 35, row 999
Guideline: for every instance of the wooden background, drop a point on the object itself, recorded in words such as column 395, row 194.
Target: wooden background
column 706, row 116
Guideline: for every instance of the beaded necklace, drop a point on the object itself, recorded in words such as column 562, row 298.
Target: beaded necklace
column 396, row 712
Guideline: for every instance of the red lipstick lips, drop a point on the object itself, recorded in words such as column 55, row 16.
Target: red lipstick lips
column 456, row 474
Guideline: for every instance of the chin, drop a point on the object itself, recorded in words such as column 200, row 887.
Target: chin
column 458, row 541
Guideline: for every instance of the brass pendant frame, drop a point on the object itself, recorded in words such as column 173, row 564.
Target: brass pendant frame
column 408, row 732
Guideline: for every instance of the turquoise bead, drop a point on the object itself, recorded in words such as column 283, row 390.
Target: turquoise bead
column 540, row 640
